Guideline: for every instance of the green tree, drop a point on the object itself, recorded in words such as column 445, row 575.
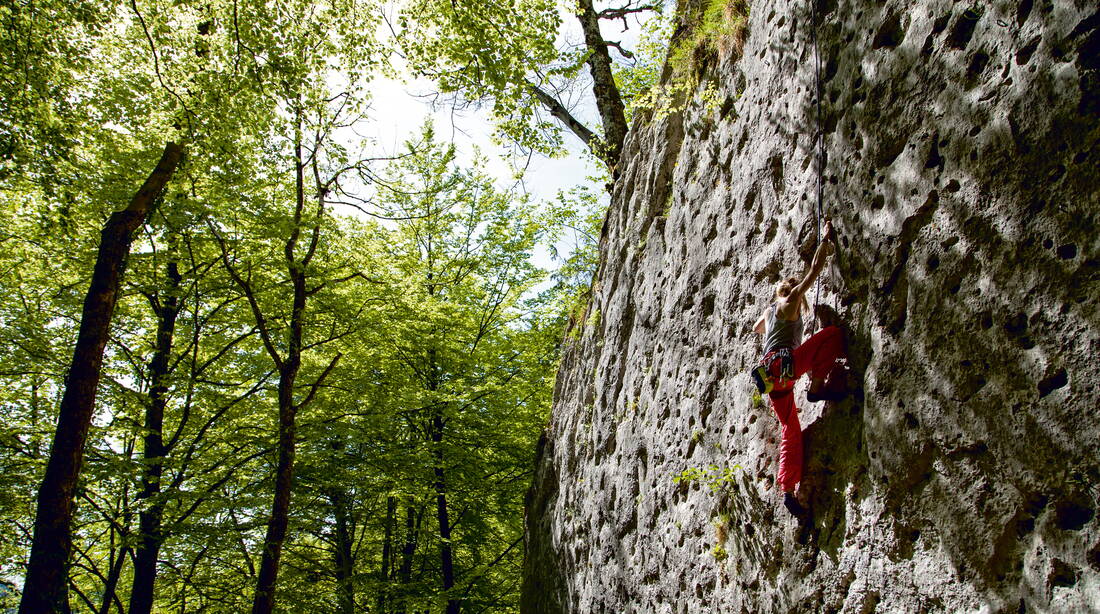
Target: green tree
column 305, row 39
column 466, row 333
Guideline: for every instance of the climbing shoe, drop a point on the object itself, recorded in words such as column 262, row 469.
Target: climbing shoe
column 791, row 502
column 835, row 387
column 763, row 382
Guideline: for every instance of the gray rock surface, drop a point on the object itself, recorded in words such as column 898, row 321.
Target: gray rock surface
column 963, row 178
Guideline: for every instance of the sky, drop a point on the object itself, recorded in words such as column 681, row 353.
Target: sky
column 402, row 109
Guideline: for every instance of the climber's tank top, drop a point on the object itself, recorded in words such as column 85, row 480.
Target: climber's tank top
column 780, row 333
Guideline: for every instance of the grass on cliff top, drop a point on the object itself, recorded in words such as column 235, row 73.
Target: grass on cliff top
column 715, row 32
column 702, row 33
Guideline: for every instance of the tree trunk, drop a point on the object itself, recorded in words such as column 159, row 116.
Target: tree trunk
column 264, row 600
column 608, row 101
column 111, row 585
column 151, row 537
column 445, row 552
column 387, row 553
column 345, row 589
column 45, row 588
column 404, row 575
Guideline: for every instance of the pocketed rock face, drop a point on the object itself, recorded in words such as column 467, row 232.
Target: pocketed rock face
column 963, row 148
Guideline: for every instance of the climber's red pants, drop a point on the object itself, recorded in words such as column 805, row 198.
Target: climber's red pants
column 816, row 356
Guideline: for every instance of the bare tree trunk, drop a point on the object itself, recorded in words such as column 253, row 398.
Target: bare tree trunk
column 151, row 538
column 111, row 586
column 608, row 101
column 264, row 600
column 46, row 586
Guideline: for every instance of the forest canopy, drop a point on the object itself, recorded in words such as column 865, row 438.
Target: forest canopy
column 249, row 359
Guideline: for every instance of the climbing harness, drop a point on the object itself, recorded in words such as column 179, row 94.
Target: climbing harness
column 766, row 376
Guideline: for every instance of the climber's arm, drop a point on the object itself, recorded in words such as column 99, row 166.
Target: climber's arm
column 758, row 328
column 824, row 248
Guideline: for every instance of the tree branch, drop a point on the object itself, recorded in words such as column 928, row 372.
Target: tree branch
column 193, row 446
column 558, row 110
column 83, row 597
column 246, row 287
column 623, row 52
column 156, row 62
column 493, row 563
column 202, row 498
column 317, row 383
column 621, row 12
column 340, row 280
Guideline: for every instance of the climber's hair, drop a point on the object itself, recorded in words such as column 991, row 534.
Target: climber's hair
column 785, row 286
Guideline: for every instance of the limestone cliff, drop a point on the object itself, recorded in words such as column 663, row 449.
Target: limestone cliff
column 963, row 165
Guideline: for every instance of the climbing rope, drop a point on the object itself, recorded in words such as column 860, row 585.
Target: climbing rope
column 819, row 134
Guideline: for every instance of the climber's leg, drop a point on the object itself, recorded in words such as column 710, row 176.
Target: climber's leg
column 817, row 355
column 790, row 444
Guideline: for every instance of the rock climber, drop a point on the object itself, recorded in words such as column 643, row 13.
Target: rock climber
column 787, row 357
